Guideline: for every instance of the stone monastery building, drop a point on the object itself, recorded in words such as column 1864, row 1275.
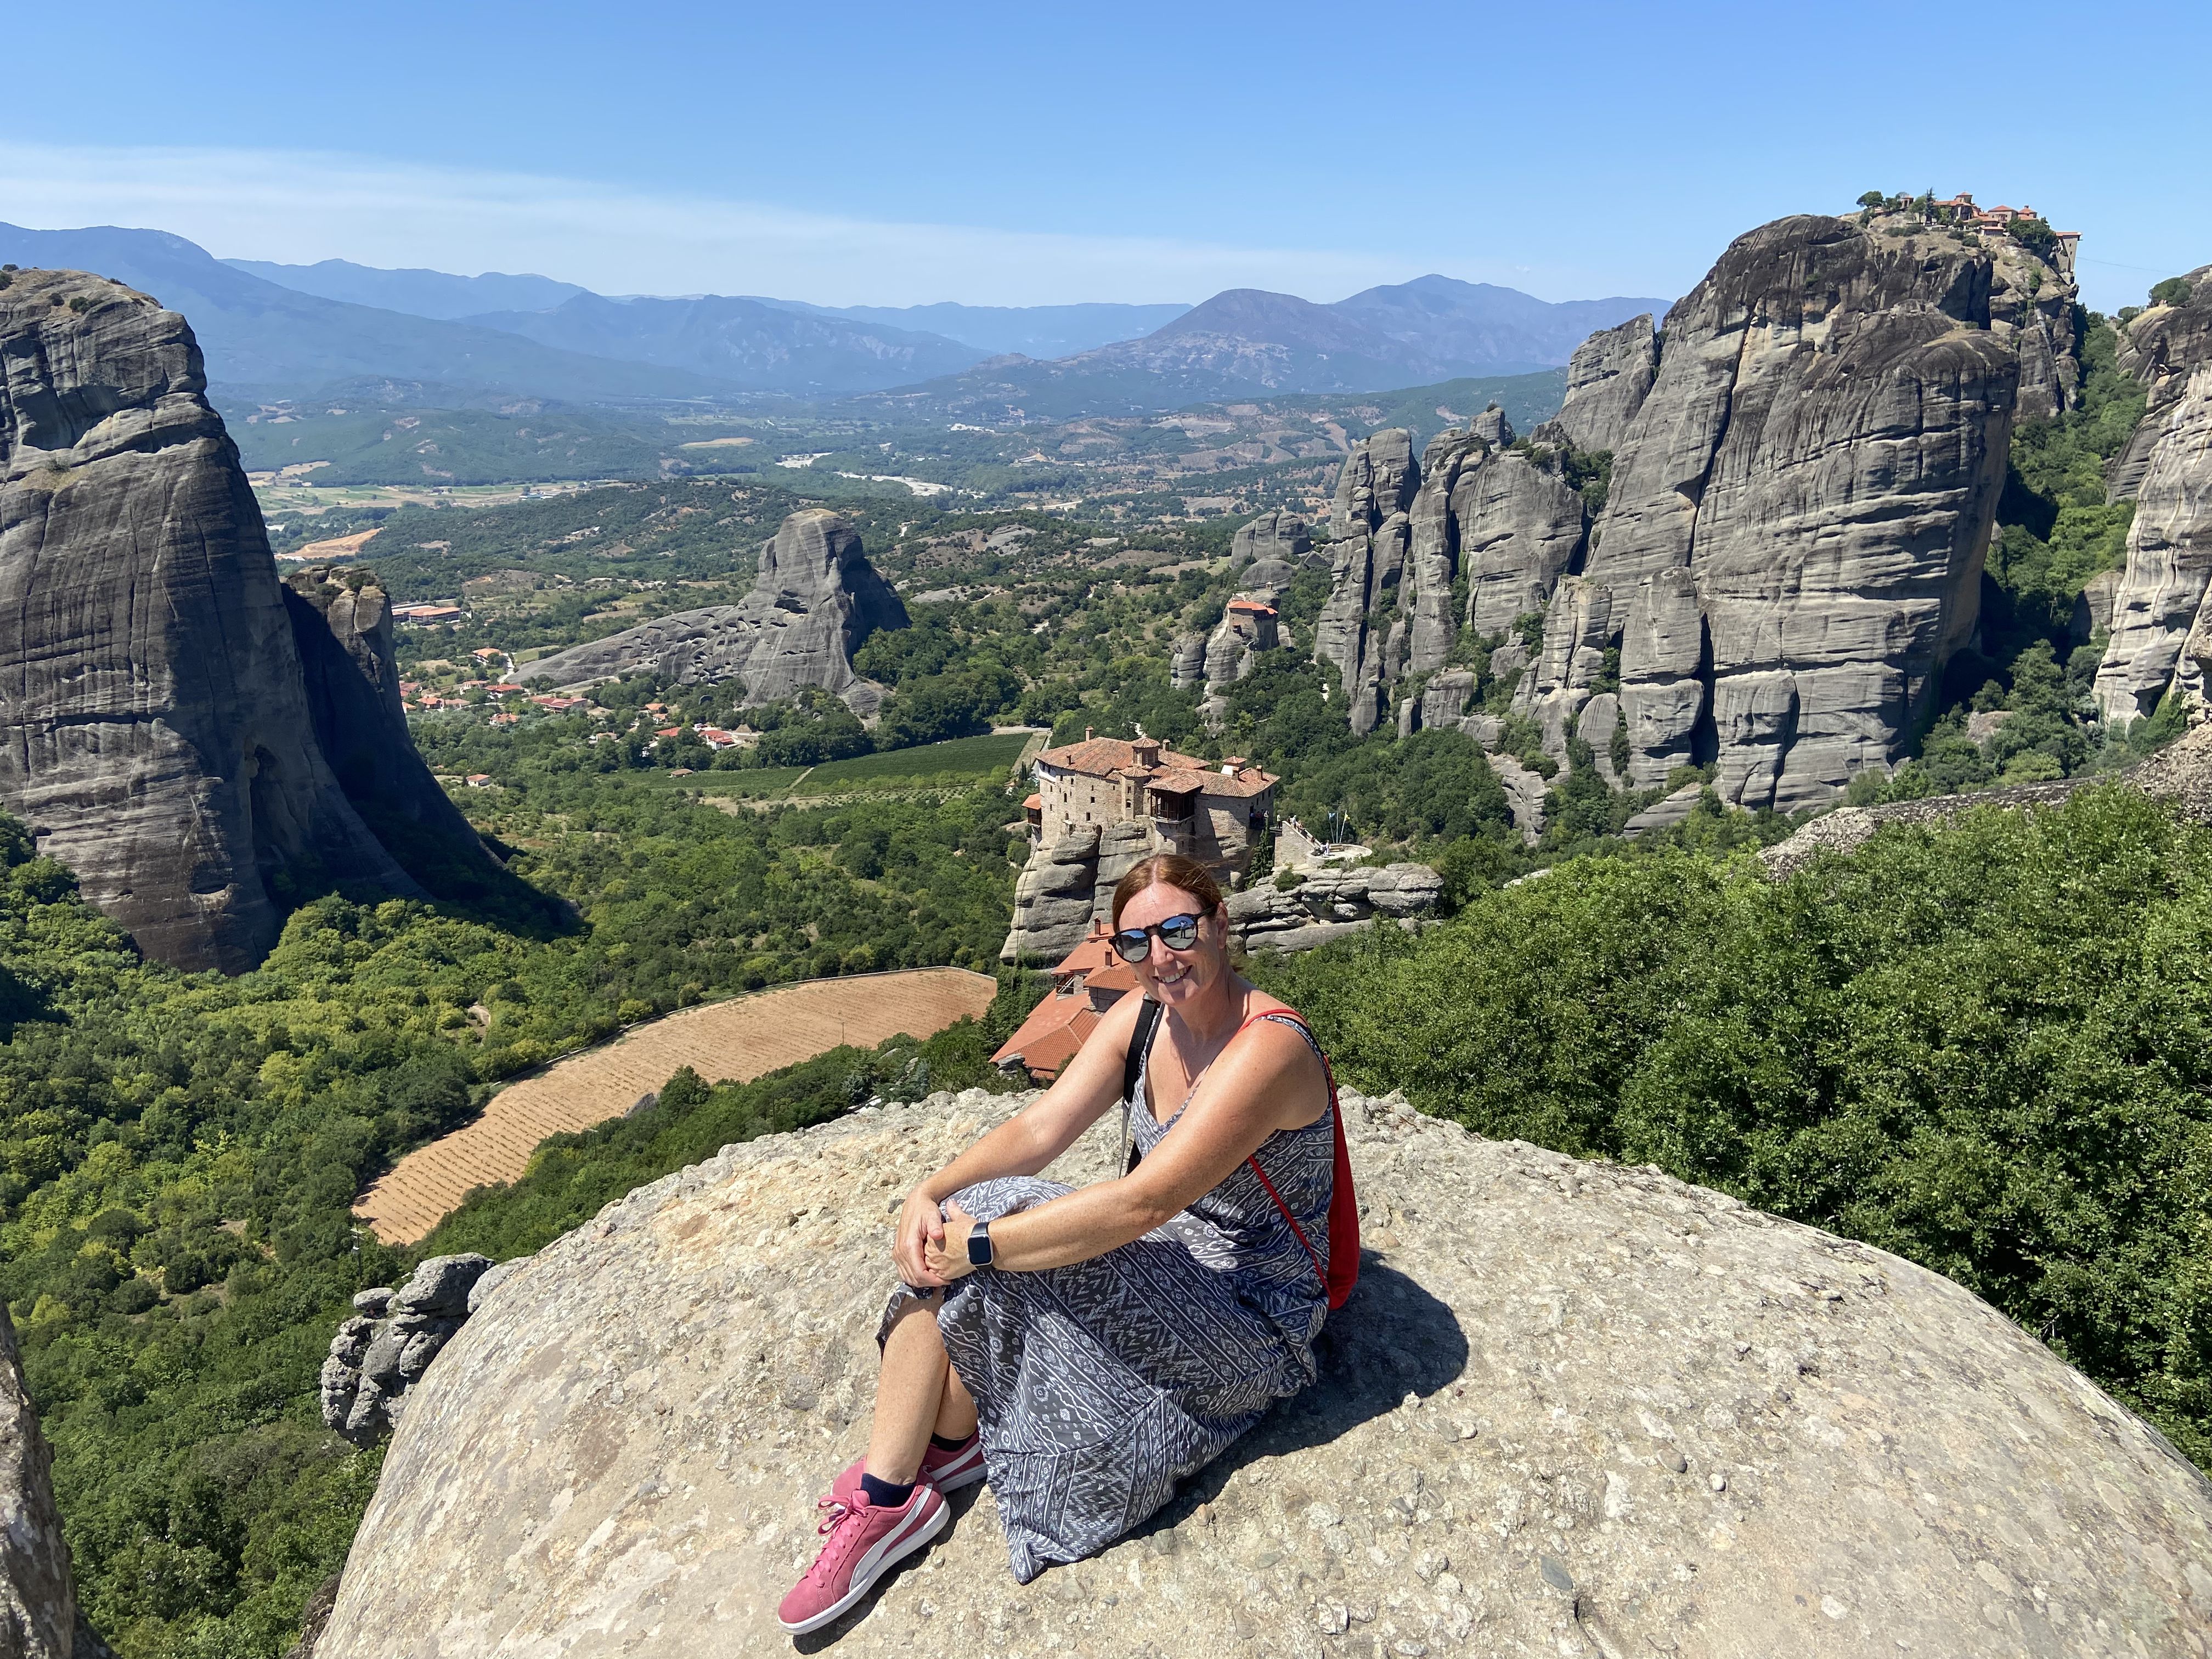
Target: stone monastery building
column 1205, row 811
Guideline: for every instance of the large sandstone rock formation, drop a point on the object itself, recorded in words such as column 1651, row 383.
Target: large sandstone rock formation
column 1405, row 532
column 2160, row 622
column 815, row 598
column 195, row 741
column 1804, row 480
column 1572, row 1408
column 1800, row 509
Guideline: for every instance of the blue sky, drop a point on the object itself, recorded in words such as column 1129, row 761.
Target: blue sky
column 866, row 154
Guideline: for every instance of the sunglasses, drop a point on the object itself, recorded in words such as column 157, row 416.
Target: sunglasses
column 1177, row 933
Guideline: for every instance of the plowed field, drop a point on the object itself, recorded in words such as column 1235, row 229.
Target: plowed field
column 736, row 1041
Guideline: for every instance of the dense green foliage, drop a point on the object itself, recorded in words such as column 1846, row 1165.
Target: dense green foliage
column 1987, row 1048
column 178, row 1154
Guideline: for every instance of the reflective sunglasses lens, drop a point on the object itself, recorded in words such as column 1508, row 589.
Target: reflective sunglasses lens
column 1179, row 933
column 1132, row 945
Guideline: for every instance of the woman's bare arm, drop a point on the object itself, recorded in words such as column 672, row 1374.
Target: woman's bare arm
column 1026, row 1142
column 1267, row 1079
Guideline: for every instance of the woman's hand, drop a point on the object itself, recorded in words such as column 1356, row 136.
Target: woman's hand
column 920, row 1227
column 946, row 1256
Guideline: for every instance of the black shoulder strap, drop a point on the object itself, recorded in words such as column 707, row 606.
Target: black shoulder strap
column 1133, row 1061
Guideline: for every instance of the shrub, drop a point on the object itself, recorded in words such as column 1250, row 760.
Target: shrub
column 1982, row 1046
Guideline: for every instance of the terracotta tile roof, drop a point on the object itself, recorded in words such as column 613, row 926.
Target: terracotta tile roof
column 1103, row 757
column 1252, row 607
column 1058, row 1027
column 1110, row 758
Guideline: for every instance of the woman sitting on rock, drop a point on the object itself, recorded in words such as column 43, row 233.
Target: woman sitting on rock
column 1089, row 1348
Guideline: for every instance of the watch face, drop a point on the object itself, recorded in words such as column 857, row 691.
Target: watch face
column 979, row 1246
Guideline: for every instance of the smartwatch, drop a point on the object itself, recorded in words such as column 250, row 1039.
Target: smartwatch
column 979, row 1245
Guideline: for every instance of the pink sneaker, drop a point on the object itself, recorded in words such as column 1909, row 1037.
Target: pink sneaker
column 865, row 1541
column 947, row 1471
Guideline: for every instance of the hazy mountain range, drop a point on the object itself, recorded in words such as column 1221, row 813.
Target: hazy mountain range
column 278, row 329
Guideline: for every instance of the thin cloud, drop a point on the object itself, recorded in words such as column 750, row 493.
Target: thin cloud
column 297, row 208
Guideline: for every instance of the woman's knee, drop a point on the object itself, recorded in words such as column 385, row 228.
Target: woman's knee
column 1005, row 1195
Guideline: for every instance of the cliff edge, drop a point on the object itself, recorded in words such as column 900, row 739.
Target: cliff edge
column 1572, row 1408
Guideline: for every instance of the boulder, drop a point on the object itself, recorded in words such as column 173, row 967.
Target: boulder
column 191, row 737
column 440, row 1284
column 1332, row 902
column 815, row 597
column 1492, row 428
column 1667, row 812
column 1571, row 1408
column 386, row 1346
column 1524, row 794
column 1608, row 379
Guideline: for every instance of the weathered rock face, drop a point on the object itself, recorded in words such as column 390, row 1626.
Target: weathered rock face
column 1608, row 379
column 381, row 1353
column 2160, row 350
column 815, row 598
column 37, row 1597
column 1820, row 453
column 1369, row 533
column 165, row 701
column 1266, row 554
column 1505, row 522
column 342, row 622
column 1572, row 1407
column 1330, row 902
column 1053, row 899
column 2160, row 625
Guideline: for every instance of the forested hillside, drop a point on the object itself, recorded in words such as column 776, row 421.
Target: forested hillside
column 179, row 1154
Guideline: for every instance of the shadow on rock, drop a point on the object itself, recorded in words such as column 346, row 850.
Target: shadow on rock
column 1392, row 1339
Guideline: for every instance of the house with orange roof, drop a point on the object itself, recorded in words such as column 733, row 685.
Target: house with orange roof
column 1204, row 810
column 1088, row 982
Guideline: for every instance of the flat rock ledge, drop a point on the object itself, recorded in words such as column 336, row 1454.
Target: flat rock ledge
column 1573, row 1409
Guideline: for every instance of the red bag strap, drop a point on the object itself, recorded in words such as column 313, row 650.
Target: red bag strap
column 1343, row 1166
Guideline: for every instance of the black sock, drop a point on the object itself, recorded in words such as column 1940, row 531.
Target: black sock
column 884, row 1494
column 943, row 1445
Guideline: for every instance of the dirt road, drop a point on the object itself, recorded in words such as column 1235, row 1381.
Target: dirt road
column 737, row 1041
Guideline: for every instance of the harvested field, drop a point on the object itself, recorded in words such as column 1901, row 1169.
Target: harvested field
column 735, row 1041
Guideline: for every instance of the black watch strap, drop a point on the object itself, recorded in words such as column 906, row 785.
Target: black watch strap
column 979, row 1245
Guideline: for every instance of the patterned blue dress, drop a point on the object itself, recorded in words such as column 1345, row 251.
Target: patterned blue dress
column 1102, row 1383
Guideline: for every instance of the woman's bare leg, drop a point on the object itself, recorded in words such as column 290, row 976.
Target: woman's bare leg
column 956, row 1416
column 911, row 1396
